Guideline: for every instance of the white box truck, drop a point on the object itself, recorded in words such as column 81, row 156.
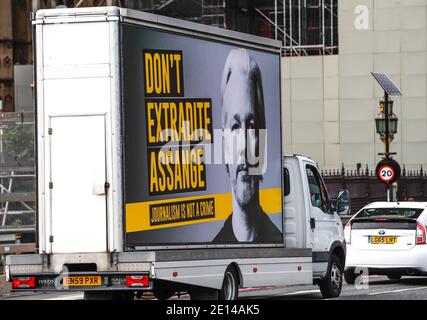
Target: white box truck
column 160, row 165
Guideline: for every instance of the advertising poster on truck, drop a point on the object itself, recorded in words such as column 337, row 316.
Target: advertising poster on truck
column 202, row 141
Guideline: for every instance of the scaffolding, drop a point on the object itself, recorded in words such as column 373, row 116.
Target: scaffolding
column 9, row 195
column 17, row 170
column 213, row 13
column 306, row 27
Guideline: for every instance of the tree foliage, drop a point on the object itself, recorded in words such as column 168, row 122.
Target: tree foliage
column 18, row 144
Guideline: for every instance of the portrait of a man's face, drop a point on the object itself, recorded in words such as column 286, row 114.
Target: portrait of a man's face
column 242, row 116
column 242, row 119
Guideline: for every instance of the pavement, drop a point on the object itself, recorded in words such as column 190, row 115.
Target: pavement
column 372, row 288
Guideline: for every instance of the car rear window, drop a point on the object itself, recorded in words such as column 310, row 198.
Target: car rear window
column 410, row 213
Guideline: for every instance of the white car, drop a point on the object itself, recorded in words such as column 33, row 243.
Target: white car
column 387, row 238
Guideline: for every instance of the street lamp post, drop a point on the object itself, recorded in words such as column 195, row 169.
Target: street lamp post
column 386, row 129
column 386, row 121
column 386, row 126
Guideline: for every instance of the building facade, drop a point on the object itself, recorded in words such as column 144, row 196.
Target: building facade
column 330, row 101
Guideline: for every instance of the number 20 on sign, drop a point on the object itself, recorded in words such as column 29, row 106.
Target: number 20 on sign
column 388, row 171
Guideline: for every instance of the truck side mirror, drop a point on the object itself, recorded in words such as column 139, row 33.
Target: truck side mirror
column 343, row 202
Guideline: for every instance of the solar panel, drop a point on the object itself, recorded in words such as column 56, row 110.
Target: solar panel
column 386, row 83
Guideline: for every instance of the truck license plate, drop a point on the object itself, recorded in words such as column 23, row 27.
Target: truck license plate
column 382, row 240
column 82, row 281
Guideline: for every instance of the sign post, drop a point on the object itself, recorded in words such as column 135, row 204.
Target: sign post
column 388, row 170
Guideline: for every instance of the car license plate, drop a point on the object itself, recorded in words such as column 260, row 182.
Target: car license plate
column 382, row 240
column 82, row 281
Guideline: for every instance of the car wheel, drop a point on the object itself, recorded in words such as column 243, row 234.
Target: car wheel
column 394, row 276
column 331, row 285
column 230, row 286
column 350, row 276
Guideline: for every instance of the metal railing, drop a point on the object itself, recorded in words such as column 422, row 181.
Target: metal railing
column 365, row 188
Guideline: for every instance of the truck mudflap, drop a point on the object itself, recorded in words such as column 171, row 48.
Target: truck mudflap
column 82, row 281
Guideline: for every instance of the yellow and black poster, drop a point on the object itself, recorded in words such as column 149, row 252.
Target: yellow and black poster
column 202, row 141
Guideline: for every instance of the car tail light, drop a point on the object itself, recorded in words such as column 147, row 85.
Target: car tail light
column 347, row 233
column 137, row 281
column 24, row 283
column 421, row 234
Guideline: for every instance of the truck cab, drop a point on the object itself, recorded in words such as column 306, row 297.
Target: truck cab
column 311, row 220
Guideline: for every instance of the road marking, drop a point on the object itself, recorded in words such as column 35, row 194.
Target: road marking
column 395, row 291
column 300, row 292
column 68, row 297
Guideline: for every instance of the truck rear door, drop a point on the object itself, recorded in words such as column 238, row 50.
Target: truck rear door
column 77, row 186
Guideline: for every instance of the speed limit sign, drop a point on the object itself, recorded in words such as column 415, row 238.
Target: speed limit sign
column 388, row 171
column 386, row 174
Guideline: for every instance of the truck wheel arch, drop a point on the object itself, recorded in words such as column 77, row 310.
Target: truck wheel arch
column 238, row 271
column 338, row 249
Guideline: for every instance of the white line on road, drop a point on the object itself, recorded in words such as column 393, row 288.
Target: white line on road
column 395, row 291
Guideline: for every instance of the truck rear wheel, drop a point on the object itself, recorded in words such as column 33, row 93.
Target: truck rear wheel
column 331, row 285
column 230, row 286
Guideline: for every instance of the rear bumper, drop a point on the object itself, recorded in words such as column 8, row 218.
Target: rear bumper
column 388, row 261
column 107, row 281
column 49, row 271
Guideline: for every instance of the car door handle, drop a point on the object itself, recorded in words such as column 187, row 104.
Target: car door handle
column 313, row 223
